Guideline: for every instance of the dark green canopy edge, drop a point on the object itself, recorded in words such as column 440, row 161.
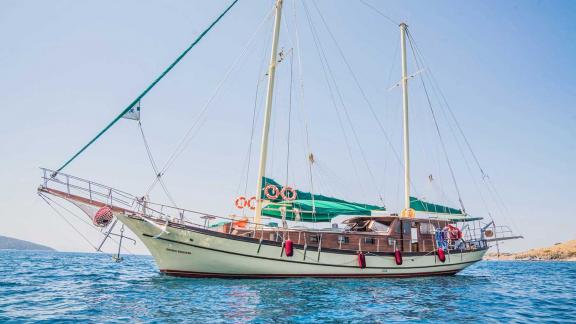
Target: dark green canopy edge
column 423, row 206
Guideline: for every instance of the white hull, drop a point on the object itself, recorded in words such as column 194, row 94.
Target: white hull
column 195, row 252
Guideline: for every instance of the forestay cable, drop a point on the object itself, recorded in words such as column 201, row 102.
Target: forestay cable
column 147, row 89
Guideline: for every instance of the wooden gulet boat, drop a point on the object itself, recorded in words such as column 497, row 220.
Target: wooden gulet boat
column 371, row 242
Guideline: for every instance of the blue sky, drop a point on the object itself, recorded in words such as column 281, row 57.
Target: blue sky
column 506, row 68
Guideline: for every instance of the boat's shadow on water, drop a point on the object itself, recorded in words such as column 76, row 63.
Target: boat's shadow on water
column 309, row 299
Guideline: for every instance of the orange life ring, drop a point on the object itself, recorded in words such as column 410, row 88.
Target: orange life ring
column 290, row 197
column 251, row 203
column 275, row 192
column 240, row 202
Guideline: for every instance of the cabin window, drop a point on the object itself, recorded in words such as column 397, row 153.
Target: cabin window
column 343, row 239
column 406, row 227
column 314, row 238
column 369, row 240
column 398, row 228
column 391, row 241
column 427, row 228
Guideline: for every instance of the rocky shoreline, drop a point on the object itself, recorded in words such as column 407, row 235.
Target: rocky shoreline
column 558, row 252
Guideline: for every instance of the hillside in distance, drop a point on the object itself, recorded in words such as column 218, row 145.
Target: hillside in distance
column 8, row 243
column 565, row 251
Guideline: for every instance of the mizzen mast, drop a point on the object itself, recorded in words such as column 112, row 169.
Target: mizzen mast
column 407, row 212
column 268, row 112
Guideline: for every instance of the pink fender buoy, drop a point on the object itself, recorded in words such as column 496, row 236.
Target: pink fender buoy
column 103, row 217
column 361, row 260
column 289, row 248
column 441, row 255
column 398, row 257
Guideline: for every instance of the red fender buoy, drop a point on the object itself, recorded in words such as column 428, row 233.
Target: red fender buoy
column 441, row 255
column 103, row 217
column 361, row 260
column 398, row 257
column 289, row 248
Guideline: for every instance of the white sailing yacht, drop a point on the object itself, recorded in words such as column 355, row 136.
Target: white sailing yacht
column 372, row 243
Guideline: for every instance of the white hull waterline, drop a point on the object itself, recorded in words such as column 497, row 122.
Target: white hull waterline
column 201, row 253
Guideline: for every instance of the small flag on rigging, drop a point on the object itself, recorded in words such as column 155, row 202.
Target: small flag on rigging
column 133, row 113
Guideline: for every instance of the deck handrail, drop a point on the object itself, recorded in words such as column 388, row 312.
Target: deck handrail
column 113, row 197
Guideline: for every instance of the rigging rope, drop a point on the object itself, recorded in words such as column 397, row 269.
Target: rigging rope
column 497, row 198
column 253, row 127
column 303, row 115
column 189, row 135
column 357, row 83
column 154, row 166
column 322, row 56
column 289, row 119
column 419, row 66
column 170, row 67
column 379, row 12
column 47, row 199
column 247, row 161
column 67, row 221
column 340, row 99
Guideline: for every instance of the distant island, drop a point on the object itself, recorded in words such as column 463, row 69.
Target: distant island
column 8, row 243
column 558, row 252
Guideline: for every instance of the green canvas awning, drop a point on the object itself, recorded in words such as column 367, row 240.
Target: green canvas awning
column 423, row 206
column 309, row 207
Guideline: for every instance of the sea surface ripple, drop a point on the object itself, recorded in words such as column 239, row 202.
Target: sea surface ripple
column 78, row 287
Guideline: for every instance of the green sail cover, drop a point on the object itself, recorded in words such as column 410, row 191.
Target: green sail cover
column 423, row 206
column 313, row 208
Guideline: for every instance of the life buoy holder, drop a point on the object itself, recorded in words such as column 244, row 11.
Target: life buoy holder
column 251, row 203
column 240, row 202
column 271, row 195
column 292, row 196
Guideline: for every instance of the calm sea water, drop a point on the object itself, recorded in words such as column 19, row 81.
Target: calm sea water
column 46, row 286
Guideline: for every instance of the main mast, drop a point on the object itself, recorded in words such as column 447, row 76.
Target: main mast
column 268, row 112
column 407, row 212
